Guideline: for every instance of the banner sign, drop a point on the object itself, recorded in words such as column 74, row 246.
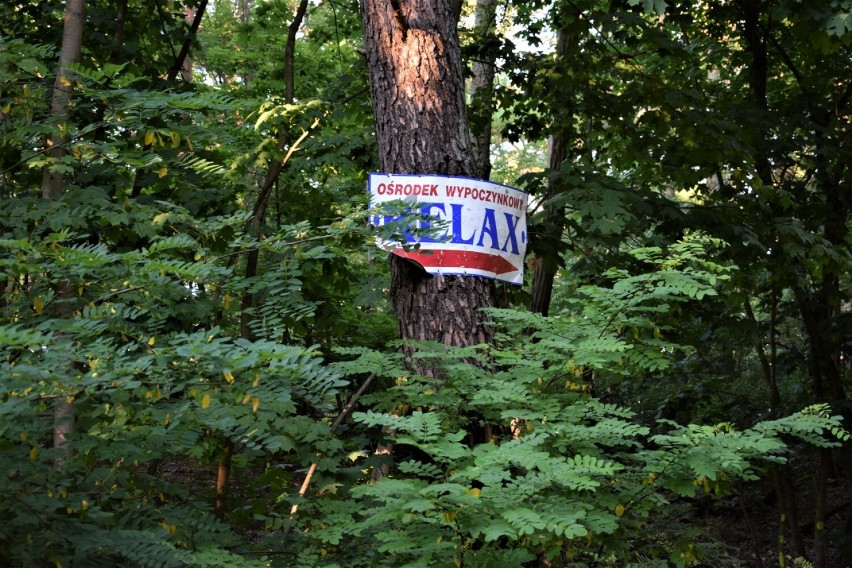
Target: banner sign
column 463, row 226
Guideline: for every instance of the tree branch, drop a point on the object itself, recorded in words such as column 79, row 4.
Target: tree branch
column 187, row 42
column 346, row 410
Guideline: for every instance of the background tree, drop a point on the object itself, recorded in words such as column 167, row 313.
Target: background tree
column 483, row 56
column 72, row 39
column 52, row 184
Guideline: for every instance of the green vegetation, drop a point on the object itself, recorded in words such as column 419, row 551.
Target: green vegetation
column 198, row 358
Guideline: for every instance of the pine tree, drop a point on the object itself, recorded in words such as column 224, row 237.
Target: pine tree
column 417, row 88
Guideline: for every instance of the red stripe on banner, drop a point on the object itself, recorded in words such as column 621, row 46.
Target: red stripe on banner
column 459, row 259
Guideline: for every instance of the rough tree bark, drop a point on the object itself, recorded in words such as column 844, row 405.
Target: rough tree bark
column 417, row 88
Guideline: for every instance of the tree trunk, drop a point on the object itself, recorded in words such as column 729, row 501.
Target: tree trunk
column 276, row 166
column 417, row 88
column 554, row 217
column 482, row 87
column 819, row 307
column 244, row 8
column 820, row 559
column 782, row 479
column 72, row 41
column 223, row 478
column 256, row 224
column 183, row 66
column 554, row 224
column 118, row 34
column 114, row 57
column 64, row 420
column 64, row 417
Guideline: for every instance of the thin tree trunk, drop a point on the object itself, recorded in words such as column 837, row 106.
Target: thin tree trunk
column 819, row 308
column 181, row 64
column 114, row 57
column 72, row 41
column 547, row 265
column 822, row 309
column 306, row 483
column 767, row 362
column 782, row 480
column 820, row 508
column 276, row 166
column 118, row 34
column 554, row 223
column 244, row 11
column 256, row 224
column 482, row 87
column 64, row 421
column 190, row 18
column 754, row 34
column 758, row 79
column 53, row 184
column 223, row 477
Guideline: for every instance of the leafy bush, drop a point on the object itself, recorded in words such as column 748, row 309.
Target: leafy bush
column 127, row 339
column 511, row 459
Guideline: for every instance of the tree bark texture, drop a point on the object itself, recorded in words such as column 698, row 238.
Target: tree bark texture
column 72, row 41
column 417, row 87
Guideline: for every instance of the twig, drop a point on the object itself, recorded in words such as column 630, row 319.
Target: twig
column 117, row 293
column 307, row 482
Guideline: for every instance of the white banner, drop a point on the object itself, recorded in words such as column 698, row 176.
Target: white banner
column 465, row 226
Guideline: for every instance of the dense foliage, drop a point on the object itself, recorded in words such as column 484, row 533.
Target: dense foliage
column 189, row 378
